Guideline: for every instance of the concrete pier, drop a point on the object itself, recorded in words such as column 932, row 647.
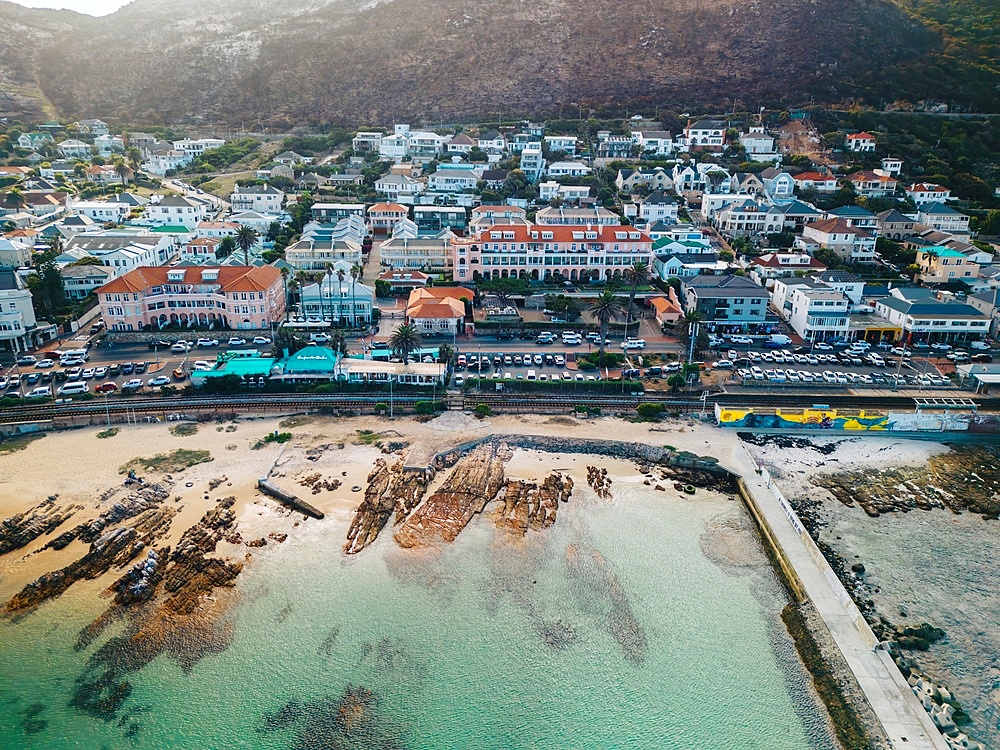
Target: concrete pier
column 287, row 498
column 904, row 720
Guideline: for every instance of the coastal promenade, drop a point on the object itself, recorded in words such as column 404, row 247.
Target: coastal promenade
column 900, row 714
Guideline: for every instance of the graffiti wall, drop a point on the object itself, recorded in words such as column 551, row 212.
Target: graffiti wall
column 801, row 419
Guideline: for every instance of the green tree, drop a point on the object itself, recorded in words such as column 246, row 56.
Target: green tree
column 686, row 324
column 15, row 197
column 404, row 341
column 676, row 382
column 605, row 308
column 285, row 338
column 355, row 275
column 123, row 170
column 638, row 274
column 225, row 248
column 246, row 238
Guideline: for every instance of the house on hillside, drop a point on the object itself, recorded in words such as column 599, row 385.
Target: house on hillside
column 945, row 219
column 860, row 142
column 705, row 135
column 850, row 243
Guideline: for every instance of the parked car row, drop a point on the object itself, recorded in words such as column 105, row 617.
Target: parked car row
column 778, row 376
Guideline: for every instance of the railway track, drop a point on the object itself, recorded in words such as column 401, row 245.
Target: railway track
column 138, row 409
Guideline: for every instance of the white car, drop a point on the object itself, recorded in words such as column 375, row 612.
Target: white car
column 180, row 347
column 201, row 365
column 723, row 364
column 628, row 344
column 741, row 339
column 261, row 340
column 132, row 385
column 979, row 345
column 234, row 341
column 42, row 391
column 43, row 364
column 208, row 342
column 822, row 346
column 88, row 373
column 158, row 381
column 941, row 347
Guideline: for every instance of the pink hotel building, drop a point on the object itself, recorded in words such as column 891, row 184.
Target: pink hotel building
column 536, row 251
column 235, row 297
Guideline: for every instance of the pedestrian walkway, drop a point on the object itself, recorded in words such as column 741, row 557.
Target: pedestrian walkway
column 899, row 712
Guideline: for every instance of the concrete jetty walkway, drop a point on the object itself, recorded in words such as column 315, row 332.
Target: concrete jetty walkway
column 899, row 712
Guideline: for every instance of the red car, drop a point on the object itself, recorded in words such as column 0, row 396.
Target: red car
column 108, row 387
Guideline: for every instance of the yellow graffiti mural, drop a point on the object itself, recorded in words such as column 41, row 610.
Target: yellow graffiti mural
column 828, row 419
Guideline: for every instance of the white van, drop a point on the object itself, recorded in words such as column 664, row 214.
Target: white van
column 75, row 388
column 532, row 375
column 780, row 338
column 42, row 391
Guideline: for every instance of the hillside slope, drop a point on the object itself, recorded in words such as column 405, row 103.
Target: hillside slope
column 279, row 64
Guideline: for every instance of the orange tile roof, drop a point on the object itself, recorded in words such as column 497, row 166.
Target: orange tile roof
column 663, row 305
column 231, row 278
column 387, row 207
column 813, row 176
column 862, row 136
column 446, row 308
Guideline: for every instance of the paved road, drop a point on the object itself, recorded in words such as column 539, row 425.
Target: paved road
column 900, row 714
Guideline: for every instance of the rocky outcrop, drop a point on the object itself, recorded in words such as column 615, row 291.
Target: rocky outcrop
column 22, row 529
column 114, row 548
column 967, row 478
column 136, row 502
column 391, row 489
column 473, row 482
column 525, row 505
column 599, row 481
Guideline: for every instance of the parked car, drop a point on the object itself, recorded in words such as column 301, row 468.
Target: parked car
column 822, row 346
column 159, row 380
column 629, row 344
column 27, row 360
column 159, row 344
column 43, row 364
column 981, row 358
column 208, row 342
column 236, row 341
column 980, row 345
column 261, row 340
column 109, row 387
column 42, row 391
column 939, row 347
column 132, row 385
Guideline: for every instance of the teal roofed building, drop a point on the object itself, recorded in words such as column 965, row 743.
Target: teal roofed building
column 309, row 363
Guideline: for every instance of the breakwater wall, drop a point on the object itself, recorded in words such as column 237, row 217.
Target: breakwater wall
column 287, row 498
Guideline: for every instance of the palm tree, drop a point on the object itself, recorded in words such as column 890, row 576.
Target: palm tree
column 341, row 275
column 605, row 308
column 686, row 324
column 15, row 197
column 284, row 282
column 122, row 170
column 636, row 275
column 328, row 294
column 356, row 272
column 405, row 340
column 134, row 158
column 246, row 238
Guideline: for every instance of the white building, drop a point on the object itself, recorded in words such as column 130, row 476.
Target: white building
column 195, row 147
column 564, row 143
column 399, row 187
column 102, row 211
column 850, row 243
column 568, row 169
column 74, row 149
column 109, row 144
column 79, row 281
column 532, row 162
column 759, row 145
column 860, row 142
column 454, row 178
column 654, row 142
column 341, row 301
column 176, row 210
column 264, row 199
column 945, row 219
column 17, row 315
column 922, row 193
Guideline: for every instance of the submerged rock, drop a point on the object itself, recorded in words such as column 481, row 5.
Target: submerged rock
column 523, row 505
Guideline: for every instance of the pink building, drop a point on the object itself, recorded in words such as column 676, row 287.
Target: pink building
column 539, row 251
column 236, row 297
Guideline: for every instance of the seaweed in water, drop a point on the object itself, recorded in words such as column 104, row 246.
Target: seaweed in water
column 101, row 697
column 283, row 614
column 326, row 647
column 284, row 717
column 31, row 723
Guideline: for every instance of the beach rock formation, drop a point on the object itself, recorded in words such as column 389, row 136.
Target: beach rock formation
column 599, row 480
column 967, row 478
column 523, row 505
column 390, row 489
column 473, row 482
column 22, row 529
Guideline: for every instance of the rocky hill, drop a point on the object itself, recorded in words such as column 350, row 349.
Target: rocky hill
column 280, row 64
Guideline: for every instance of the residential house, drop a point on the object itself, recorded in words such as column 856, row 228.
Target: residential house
column 454, row 178
column 74, row 149
column 271, row 171
column 790, row 216
column 654, row 142
column 433, row 219
column 120, row 252
column 107, row 145
column 17, row 314
column 316, row 252
column 438, row 311
column 93, row 127
column 403, row 281
column 614, row 146
column 922, row 193
column 821, row 182
column 598, row 215
column 264, row 199
column 667, row 310
column 200, row 246
column 657, row 206
column 106, row 174
column 102, row 211
column 813, row 310
column 311, row 180
column 460, row 144
column 682, row 265
column 34, row 141
column 849, row 284
column 161, row 161
column 366, row 142
column 731, row 303
column 342, row 302
column 494, row 178
column 424, row 144
column 291, row 157
column 233, row 297
column 871, row 185
column 176, row 210
column 397, row 187
column 891, row 166
column 487, row 215
column 565, row 144
column 216, row 229
column 492, row 142
column 195, row 147
column 80, row 281
column 333, row 212
column 850, row 243
column 855, row 216
column 743, row 217
column 894, row 225
column 746, row 183
column 37, row 204
column 782, row 264
column 942, row 265
column 552, row 190
column 543, row 251
column 705, row 135
column 406, row 250
column 988, row 303
column 384, row 216
column 657, row 178
column 860, row 142
column 532, row 162
column 778, row 184
column 568, row 169
column 759, row 145
column 923, row 317
column 945, row 219
column 14, row 252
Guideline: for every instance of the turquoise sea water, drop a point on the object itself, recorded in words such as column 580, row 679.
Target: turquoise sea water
column 487, row 643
